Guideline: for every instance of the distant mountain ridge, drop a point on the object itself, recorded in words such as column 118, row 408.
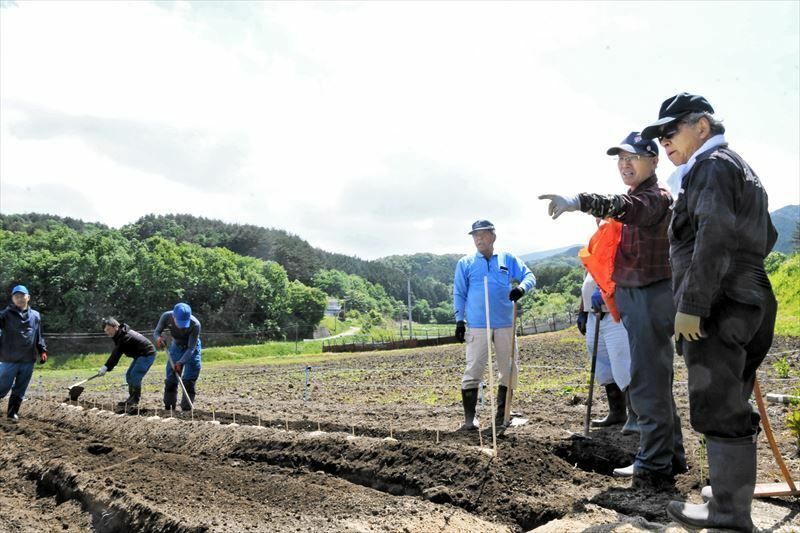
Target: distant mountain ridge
column 785, row 221
column 535, row 257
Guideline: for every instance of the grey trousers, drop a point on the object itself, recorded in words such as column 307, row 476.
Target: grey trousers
column 649, row 316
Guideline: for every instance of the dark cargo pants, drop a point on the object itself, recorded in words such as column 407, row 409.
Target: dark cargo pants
column 722, row 366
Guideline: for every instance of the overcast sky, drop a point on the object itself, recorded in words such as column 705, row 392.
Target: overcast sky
column 377, row 128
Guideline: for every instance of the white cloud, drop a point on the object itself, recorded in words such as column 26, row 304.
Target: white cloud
column 375, row 128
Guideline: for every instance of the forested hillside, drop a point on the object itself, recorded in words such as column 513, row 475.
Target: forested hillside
column 80, row 272
column 301, row 260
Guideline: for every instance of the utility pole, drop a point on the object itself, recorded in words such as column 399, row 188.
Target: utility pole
column 410, row 332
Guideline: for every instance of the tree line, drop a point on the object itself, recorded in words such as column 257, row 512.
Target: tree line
column 237, row 277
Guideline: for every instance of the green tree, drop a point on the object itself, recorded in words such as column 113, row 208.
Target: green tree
column 307, row 307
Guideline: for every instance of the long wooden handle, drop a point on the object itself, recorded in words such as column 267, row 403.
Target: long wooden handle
column 510, row 390
column 491, row 371
column 771, row 438
column 183, row 387
column 591, row 375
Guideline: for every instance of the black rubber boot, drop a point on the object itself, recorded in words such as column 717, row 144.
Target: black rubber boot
column 170, row 395
column 632, row 423
column 469, row 398
column 499, row 417
column 14, row 403
column 190, row 388
column 134, row 393
column 732, row 468
column 616, row 408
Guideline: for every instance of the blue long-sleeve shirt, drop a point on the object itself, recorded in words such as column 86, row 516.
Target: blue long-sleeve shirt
column 468, row 297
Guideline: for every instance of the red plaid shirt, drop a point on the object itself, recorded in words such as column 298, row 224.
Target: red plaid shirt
column 643, row 254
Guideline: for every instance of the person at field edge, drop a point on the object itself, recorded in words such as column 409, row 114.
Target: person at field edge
column 720, row 233
column 643, row 296
column 184, row 352
column 469, row 303
column 21, row 346
column 613, row 365
column 135, row 345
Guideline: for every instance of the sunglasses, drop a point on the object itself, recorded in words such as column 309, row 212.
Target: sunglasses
column 668, row 134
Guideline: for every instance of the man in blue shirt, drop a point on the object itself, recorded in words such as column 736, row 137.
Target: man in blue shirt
column 469, row 302
column 184, row 353
column 21, row 345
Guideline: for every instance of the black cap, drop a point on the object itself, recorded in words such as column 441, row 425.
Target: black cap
column 481, row 224
column 674, row 108
column 635, row 144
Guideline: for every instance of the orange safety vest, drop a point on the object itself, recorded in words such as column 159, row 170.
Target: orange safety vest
column 598, row 258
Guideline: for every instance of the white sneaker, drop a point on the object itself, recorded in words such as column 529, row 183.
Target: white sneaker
column 624, row 472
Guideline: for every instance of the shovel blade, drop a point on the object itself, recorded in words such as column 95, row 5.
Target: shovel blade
column 74, row 392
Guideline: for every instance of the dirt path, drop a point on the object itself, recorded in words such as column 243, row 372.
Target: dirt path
column 78, row 468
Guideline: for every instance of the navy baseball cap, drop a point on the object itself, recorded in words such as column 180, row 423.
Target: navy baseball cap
column 635, row 144
column 182, row 314
column 19, row 288
column 674, row 108
column 481, row 224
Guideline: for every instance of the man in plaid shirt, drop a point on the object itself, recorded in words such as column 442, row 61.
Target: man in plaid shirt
column 644, row 297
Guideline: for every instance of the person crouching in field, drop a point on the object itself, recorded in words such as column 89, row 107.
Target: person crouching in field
column 468, row 300
column 21, row 345
column 184, row 352
column 132, row 344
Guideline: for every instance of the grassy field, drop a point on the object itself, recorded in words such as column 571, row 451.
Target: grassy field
column 786, row 283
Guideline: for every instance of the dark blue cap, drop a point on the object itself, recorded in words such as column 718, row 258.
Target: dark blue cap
column 182, row 314
column 635, row 144
column 481, row 224
column 674, row 108
column 19, row 288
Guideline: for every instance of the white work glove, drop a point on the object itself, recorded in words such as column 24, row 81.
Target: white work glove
column 102, row 371
column 687, row 326
column 560, row 204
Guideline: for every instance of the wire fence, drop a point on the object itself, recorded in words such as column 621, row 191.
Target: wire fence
column 537, row 324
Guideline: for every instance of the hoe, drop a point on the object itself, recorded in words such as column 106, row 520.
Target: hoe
column 76, row 389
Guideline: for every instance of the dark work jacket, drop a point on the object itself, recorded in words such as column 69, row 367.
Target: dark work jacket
column 21, row 340
column 720, row 233
column 131, row 343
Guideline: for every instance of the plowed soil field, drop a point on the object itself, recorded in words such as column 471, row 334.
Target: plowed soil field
column 367, row 445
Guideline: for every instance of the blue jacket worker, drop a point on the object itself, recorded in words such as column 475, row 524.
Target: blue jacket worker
column 132, row 344
column 21, row 346
column 469, row 302
column 725, row 308
column 184, row 353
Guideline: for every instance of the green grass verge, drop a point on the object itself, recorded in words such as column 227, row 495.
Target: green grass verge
column 786, row 283
column 227, row 354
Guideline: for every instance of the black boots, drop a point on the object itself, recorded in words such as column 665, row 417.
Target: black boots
column 616, row 408
column 190, row 388
column 632, row 423
column 170, row 395
column 499, row 417
column 469, row 398
column 14, row 403
column 134, row 395
column 732, row 468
